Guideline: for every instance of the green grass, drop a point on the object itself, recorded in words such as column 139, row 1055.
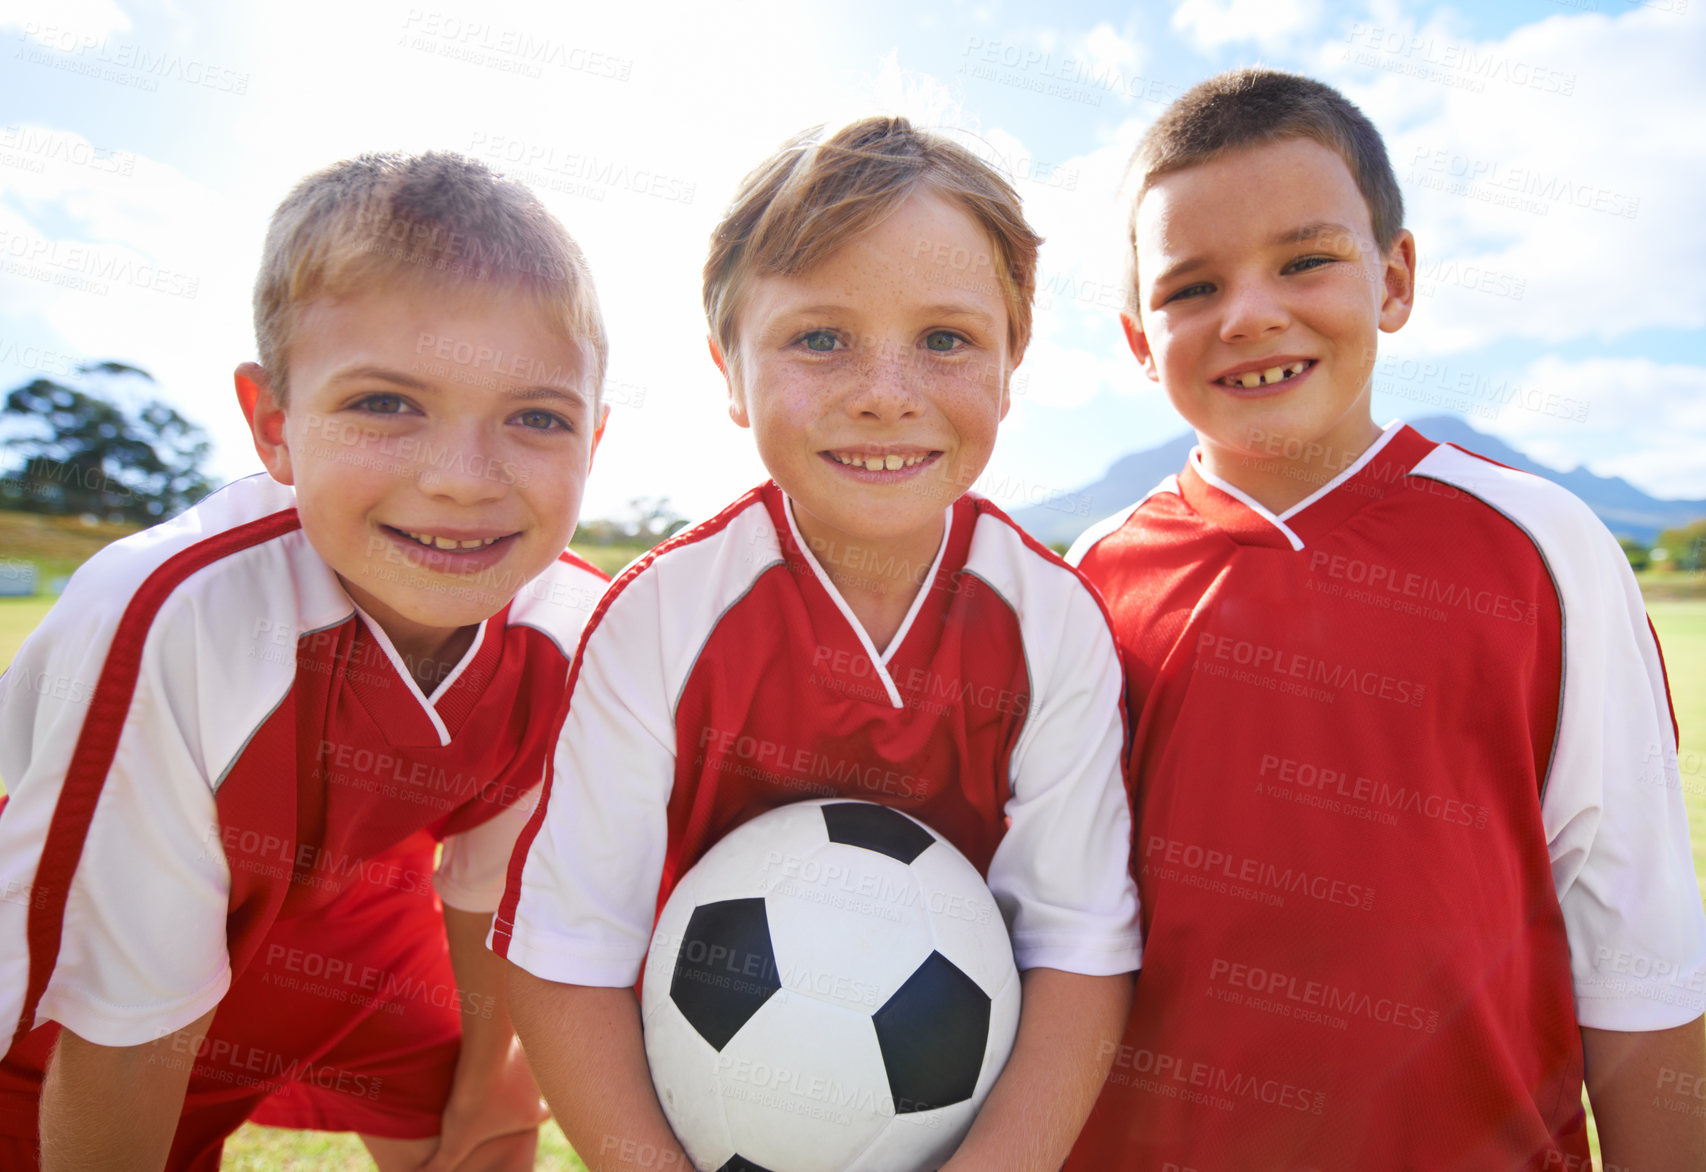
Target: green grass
column 271, row 1149
column 1682, row 632
column 18, row 617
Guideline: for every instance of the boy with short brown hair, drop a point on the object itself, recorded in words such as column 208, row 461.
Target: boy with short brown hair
column 1410, row 841
column 232, row 748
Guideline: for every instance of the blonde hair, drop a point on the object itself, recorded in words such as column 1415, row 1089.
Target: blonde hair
column 434, row 221
column 812, row 197
column 1253, row 107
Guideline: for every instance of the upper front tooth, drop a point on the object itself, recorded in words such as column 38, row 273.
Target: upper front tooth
column 1272, row 374
column 873, row 463
column 893, row 462
column 445, row 542
column 1250, row 379
column 474, row 544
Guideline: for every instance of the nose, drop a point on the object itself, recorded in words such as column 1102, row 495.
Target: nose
column 463, row 466
column 1251, row 311
column 886, row 384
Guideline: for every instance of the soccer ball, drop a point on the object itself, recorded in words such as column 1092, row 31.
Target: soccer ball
column 830, row 989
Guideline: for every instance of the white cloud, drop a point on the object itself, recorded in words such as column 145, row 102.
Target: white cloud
column 1272, row 24
column 1629, row 417
column 51, row 21
column 1552, row 185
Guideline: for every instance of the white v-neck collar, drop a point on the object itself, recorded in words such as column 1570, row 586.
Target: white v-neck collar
column 402, row 669
column 1278, row 520
column 879, row 662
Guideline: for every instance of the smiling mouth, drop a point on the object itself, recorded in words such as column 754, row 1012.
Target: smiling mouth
column 881, row 461
column 447, row 544
column 1251, row 379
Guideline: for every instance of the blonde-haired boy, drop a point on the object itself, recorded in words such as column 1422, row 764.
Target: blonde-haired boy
column 233, row 746
column 869, row 297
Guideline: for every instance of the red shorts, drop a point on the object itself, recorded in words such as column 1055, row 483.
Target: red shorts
column 348, row 1019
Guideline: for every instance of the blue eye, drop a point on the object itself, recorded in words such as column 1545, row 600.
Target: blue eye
column 942, row 341
column 820, row 341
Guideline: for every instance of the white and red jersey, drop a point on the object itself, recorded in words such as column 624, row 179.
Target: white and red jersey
column 724, row 675
column 205, row 737
column 1408, row 811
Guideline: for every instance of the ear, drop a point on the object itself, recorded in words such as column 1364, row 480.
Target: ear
column 1139, row 343
column 1398, row 295
column 266, row 420
column 598, row 432
column 737, row 397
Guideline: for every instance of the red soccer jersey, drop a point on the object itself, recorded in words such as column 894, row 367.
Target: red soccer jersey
column 724, row 675
column 1399, row 775
column 205, row 739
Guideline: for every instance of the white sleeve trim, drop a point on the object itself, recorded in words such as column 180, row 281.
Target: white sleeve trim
column 1612, row 809
column 106, row 1024
column 1062, row 873
column 589, row 883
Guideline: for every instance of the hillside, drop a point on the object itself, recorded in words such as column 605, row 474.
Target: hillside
column 1625, row 509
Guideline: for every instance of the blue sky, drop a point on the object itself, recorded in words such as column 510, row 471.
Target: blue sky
column 1551, row 157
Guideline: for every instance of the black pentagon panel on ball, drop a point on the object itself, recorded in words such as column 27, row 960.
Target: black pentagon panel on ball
column 726, row 968
column 876, row 828
column 739, row 1163
column 933, row 1032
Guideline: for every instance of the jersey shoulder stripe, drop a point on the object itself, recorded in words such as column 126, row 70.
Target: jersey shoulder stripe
column 558, row 602
column 1029, row 573
column 98, row 739
column 1108, row 526
column 644, row 576
column 1063, row 621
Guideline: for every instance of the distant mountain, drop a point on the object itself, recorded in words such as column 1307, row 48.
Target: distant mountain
column 1625, row 509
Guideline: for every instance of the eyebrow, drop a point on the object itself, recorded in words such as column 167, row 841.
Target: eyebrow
column 543, row 394
column 1297, row 235
column 530, row 394
column 382, row 373
column 940, row 309
column 1309, row 231
column 951, row 309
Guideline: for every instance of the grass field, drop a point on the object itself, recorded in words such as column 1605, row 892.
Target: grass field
column 1677, row 605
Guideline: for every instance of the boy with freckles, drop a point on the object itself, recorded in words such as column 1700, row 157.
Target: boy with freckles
column 816, row 612
column 1411, row 842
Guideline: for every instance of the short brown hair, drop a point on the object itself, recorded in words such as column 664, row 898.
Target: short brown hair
column 1253, row 107
column 812, row 197
column 434, row 220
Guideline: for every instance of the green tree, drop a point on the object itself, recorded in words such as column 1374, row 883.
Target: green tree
column 84, row 454
column 1685, row 547
column 1640, row 557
